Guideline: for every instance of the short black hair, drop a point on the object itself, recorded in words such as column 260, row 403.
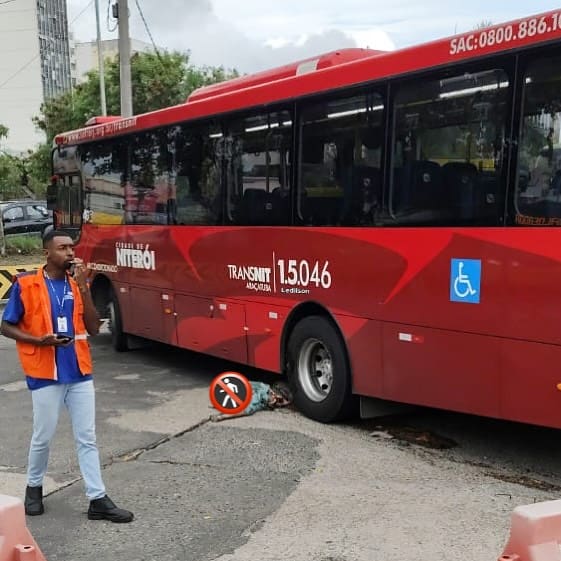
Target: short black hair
column 51, row 234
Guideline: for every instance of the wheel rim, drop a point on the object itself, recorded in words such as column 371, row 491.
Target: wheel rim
column 315, row 370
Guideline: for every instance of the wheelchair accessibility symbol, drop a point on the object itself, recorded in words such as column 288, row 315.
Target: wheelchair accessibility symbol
column 465, row 280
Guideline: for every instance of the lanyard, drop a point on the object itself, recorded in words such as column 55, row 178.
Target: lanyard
column 60, row 303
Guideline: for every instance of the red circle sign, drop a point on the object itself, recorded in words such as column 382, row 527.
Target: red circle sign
column 230, row 393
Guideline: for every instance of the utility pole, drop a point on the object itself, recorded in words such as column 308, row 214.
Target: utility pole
column 125, row 58
column 100, row 63
column 2, row 238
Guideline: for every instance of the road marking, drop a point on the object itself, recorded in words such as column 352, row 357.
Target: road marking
column 14, row 386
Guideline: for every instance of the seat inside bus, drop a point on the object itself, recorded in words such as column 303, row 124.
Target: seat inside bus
column 424, row 191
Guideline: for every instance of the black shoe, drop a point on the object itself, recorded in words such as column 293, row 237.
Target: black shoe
column 105, row 509
column 34, row 501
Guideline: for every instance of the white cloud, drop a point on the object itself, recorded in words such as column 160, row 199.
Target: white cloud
column 257, row 34
column 217, row 35
column 373, row 39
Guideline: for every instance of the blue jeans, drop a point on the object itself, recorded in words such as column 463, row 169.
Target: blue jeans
column 79, row 399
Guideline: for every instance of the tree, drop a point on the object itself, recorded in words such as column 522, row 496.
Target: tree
column 4, row 131
column 10, row 176
column 158, row 80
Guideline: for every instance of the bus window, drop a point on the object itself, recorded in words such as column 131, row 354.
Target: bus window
column 197, row 160
column 69, row 203
column 103, row 165
column 538, row 188
column 340, row 159
column 65, row 160
column 447, row 149
column 258, row 169
column 149, row 181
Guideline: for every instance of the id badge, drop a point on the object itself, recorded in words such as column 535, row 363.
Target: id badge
column 62, row 325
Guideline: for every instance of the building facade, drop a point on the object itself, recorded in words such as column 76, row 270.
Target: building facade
column 34, row 66
column 86, row 54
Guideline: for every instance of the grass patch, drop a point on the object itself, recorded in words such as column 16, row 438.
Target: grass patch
column 16, row 244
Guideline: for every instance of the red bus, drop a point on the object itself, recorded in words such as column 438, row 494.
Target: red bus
column 373, row 224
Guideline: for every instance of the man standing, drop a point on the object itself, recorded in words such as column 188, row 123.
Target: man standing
column 50, row 313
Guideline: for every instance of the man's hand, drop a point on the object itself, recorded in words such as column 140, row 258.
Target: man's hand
column 49, row 340
column 91, row 317
column 52, row 340
column 80, row 274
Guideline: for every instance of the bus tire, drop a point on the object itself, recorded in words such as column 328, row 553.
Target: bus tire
column 119, row 339
column 318, row 370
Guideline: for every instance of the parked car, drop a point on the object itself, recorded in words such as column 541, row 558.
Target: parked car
column 25, row 217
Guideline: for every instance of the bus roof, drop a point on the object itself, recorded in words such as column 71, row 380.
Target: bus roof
column 327, row 60
column 337, row 70
column 101, row 120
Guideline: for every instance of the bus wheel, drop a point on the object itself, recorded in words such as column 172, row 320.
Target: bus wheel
column 119, row 339
column 318, row 370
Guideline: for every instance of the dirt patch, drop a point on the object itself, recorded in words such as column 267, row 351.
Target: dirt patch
column 411, row 435
column 14, row 259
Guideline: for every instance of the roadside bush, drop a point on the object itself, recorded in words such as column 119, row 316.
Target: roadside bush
column 24, row 244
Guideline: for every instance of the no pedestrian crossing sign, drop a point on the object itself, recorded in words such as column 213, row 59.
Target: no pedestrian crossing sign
column 230, row 393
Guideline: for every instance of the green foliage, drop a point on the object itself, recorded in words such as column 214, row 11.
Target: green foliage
column 23, row 244
column 3, row 131
column 26, row 175
column 39, row 168
column 158, row 80
column 9, row 176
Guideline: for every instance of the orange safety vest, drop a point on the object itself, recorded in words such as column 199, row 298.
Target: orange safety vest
column 37, row 361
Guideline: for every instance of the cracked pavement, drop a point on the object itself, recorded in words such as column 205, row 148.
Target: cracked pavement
column 274, row 486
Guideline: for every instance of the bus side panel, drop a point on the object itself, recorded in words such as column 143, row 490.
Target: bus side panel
column 212, row 326
column 147, row 314
column 264, row 330
column 530, row 374
column 364, row 346
column 439, row 368
column 123, row 296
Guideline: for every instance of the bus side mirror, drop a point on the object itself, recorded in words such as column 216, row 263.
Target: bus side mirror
column 52, row 191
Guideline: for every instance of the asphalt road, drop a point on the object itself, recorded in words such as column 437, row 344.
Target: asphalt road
column 274, row 486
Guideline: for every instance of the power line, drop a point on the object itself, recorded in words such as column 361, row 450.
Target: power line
column 21, row 69
column 148, row 30
column 6, row 2
column 80, row 14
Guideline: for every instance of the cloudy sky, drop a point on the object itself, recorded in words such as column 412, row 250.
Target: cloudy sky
column 251, row 35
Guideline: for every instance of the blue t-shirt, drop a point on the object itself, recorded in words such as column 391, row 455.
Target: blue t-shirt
column 62, row 306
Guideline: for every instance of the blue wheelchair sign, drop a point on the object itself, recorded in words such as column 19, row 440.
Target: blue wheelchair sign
column 465, row 280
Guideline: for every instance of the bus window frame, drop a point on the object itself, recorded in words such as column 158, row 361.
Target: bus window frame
column 524, row 59
column 61, row 182
column 236, row 117
column 506, row 62
column 374, row 88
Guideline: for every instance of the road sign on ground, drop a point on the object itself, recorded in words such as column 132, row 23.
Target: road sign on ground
column 230, row 392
